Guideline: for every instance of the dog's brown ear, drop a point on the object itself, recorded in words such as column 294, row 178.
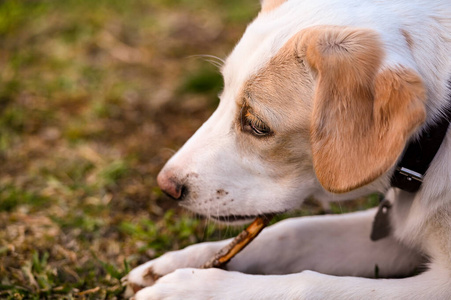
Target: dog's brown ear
column 363, row 113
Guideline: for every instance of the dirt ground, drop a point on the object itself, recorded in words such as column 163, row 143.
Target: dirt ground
column 94, row 97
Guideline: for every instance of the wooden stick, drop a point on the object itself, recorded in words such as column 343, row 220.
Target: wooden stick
column 223, row 256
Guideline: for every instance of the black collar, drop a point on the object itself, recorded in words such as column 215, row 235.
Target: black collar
column 410, row 170
column 418, row 155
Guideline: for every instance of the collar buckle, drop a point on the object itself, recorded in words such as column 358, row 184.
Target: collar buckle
column 418, row 155
column 411, row 175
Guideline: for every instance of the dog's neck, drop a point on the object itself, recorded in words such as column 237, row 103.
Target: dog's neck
column 419, row 154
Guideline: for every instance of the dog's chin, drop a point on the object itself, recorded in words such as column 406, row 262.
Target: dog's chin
column 234, row 220
column 238, row 219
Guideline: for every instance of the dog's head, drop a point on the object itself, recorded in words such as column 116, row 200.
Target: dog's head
column 309, row 111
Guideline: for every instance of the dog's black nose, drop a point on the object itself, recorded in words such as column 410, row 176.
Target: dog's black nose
column 171, row 186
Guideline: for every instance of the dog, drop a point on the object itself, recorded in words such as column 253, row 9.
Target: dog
column 321, row 98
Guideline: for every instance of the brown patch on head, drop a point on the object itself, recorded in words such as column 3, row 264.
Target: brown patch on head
column 328, row 102
column 280, row 96
column 269, row 5
column 408, row 38
column 362, row 116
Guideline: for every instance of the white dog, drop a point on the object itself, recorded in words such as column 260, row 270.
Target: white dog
column 321, row 98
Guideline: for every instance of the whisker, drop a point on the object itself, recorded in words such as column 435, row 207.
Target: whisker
column 214, row 60
column 209, row 220
column 214, row 63
column 172, row 151
column 210, row 56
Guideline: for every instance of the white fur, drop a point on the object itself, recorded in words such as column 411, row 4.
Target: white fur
column 333, row 245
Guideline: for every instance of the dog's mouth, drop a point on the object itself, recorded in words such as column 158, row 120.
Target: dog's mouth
column 241, row 218
column 233, row 218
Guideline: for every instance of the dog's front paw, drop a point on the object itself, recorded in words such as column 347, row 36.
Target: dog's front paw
column 142, row 276
column 189, row 284
column 190, row 257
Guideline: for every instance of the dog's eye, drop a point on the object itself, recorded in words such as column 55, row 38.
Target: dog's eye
column 256, row 126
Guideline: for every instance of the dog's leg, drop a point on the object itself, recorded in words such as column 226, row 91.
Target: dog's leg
column 332, row 244
column 218, row 284
column 193, row 256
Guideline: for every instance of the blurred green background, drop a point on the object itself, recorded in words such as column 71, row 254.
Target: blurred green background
column 94, row 97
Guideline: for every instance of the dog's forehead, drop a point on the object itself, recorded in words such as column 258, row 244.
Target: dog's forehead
column 265, row 36
column 261, row 41
column 271, row 30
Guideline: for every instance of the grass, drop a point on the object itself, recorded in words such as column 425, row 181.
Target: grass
column 94, row 97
